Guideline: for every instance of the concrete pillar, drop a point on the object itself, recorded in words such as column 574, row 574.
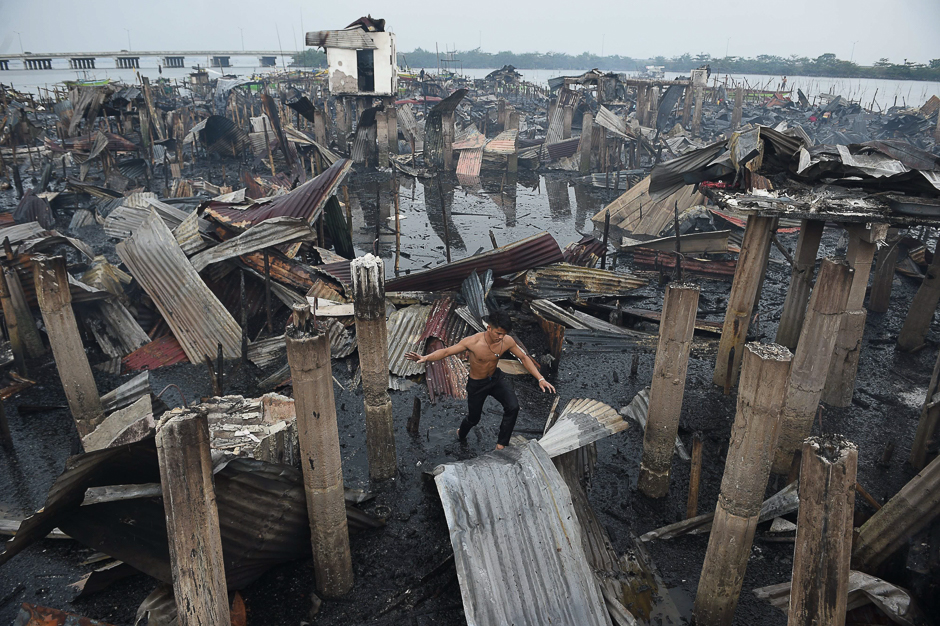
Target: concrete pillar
column 820, row 581
column 923, row 305
column 368, row 283
column 812, row 358
column 584, row 147
column 738, row 108
column 192, row 520
column 55, row 302
column 748, row 275
column 308, row 354
column 801, row 283
column 392, row 116
column 668, row 387
column 764, row 375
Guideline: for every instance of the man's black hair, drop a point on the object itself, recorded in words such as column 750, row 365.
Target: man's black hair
column 500, row 319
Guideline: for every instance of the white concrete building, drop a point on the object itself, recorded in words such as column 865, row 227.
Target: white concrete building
column 361, row 58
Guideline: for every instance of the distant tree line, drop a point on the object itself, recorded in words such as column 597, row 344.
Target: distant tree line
column 823, row 65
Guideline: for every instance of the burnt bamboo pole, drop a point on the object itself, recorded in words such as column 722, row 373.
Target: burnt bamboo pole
column 748, row 276
column 811, row 359
column 78, row 382
column 308, row 354
column 668, row 387
column 820, row 581
column 923, row 306
column 192, row 519
column 764, row 376
column 368, row 284
column 801, row 283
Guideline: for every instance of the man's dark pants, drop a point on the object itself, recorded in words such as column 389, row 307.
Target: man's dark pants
column 499, row 387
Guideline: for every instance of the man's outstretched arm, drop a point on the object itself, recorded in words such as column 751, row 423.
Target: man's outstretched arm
column 437, row 355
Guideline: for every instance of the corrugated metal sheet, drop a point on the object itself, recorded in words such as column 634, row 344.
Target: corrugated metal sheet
column 470, row 162
column 517, row 542
column 363, row 141
column 635, row 211
column 609, row 120
column 197, row 318
column 566, row 97
column 450, row 103
column 589, row 340
column 187, row 235
column 18, row 233
column 667, row 260
column 304, row 202
column 585, row 253
column 564, row 278
column 114, row 328
column 272, row 232
column 351, row 39
column 503, row 143
column 264, row 352
column 124, row 221
column 471, row 140
column 447, row 377
column 474, row 291
column 562, row 149
column 160, row 352
column 581, row 422
column 127, row 394
column 532, row 251
column 405, row 329
column 340, row 270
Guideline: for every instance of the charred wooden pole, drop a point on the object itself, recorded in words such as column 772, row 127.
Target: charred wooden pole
column 764, row 375
column 927, row 426
column 812, row 358
column 801, row 283
column 584, row 146
column 368, row 284
column 319, row 127
column 923, row 306
column 668, row 386
column 911, row 510
column 748, row 276
column 881, row 282
column 25, row 323
column 738, row 112
column 695, row 477
column 392, row 116
column 13, row 332
column 697, row 116
column 381, row 137
column 308, row 354
column 6, row 439
column 269, row 320
column 192, row 519
column 512, row 160
column 687, row 105
column 840, row 382
column 78, row 382
column 820, row 580
column 447, row 133
column 567, row 116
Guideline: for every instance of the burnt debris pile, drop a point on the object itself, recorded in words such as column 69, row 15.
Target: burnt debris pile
column 210, row 289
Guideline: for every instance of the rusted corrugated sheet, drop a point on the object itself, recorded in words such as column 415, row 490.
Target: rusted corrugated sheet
column 563, row 148
column 340, row 270
column 530, row 252
column 585, row 253
column 197, row 318
column 160, row 352
column 123, row 221
column 223, row 136
column 447, row 377
column 405, row 330
column 470, row 162
column 562, row 278
column 667, row 260
column 517, row 541
column 272, row 232
column 581, row 422
column 503, row 143
column 305, row 202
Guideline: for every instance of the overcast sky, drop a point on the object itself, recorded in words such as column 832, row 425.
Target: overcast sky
column 896, row 29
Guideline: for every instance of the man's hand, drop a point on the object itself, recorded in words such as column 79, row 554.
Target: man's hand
column 544, row 385
column 417, row 358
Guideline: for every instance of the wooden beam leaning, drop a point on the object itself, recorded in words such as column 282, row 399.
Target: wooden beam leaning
column 744, row 291
column 78, row 381
column 820, row 587
column 811, row 359
column 923, row 306
column 840, row 382
column 368, row 284
column 801, row 283
column 668, row 387
column 192, row 519
column 911, row 509
column 881, row 283
column 26, row 324
column 764, row 377
column 308, row 354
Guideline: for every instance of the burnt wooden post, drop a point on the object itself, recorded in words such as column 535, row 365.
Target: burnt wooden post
column 25, row 323
column 319, row 127
column 9, row 317
column 192, row 519
column 392, row 115
column 738, row 107
column 801, row 283
column 764, row 375
column 881, row 282
column 512, row 160
column 567, row 116
column 668, row 387
column 840, row 382
column 78, row 382
column 695, row 477
column 923, row 306
column 820, row 580
column 812, row 358
column 6, row 439
column 748, row 276
column 584, row 146
column 927, row 426
column 911, row 510
column 381, row 137
column 697, row 116
column 687, row 106
column 308, row 354
column 447, row 133
column 368, row 283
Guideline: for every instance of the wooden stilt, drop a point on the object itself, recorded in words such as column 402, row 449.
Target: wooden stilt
column 381, row 137
column 584, row 147
column 885, row 262
column 801, row 283
column 923, row 306
column 929, row 417
column 738, row 107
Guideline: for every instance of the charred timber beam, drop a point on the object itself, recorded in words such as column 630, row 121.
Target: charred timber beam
column 801, row 283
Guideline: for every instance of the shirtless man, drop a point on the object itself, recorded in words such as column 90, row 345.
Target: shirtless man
column 486, row 379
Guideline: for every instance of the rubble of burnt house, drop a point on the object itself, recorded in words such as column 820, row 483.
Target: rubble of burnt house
column 202, row 288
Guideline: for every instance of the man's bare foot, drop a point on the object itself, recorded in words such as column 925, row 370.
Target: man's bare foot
column 500, row 446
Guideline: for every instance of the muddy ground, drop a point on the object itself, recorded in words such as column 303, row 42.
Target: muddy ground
column 392, row 561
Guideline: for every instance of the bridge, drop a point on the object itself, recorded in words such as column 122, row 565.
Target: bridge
column 128, row 59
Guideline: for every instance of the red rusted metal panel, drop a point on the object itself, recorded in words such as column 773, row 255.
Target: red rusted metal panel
column 160, row 352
